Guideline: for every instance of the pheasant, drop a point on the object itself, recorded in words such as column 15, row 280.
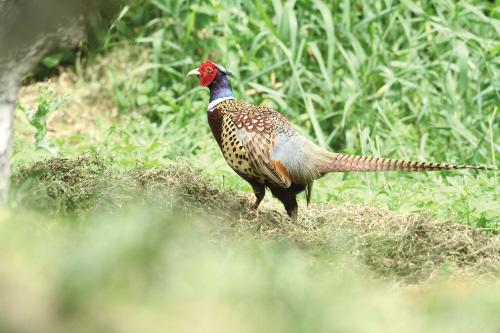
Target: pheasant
column 263, row 148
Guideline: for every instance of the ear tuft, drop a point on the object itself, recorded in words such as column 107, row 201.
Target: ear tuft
column 222, row 69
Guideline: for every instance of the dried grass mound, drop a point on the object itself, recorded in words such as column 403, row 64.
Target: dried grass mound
column 414, row 246
column 409, row 247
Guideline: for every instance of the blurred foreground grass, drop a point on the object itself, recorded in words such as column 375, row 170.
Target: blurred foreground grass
column 89, row 247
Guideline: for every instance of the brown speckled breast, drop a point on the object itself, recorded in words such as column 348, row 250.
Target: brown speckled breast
column 234, row 152
column 224, row 131
column 215, row 122
column 229, row 117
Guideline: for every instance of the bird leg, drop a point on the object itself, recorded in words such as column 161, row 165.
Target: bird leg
column 288, row 197
column 292, row 208
column 260, row 191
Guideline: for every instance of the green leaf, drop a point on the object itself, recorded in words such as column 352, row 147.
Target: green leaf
column 53, row 60
column 142, row 100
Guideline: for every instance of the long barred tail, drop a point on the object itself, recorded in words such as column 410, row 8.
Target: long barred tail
column 353, row 163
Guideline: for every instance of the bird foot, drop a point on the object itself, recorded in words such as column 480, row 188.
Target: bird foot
column 255, row 209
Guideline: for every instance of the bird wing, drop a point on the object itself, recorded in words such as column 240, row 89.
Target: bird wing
column 255, row 128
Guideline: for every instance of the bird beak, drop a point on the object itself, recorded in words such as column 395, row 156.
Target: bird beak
column 194, row 72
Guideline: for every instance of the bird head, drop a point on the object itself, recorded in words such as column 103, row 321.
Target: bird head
column 207, row 72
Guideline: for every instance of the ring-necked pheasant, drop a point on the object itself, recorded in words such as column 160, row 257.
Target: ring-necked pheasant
column 261, row 146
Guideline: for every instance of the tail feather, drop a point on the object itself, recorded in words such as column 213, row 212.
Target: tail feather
column 354, row 163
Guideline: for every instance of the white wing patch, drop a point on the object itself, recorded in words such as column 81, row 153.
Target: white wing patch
column 298, row 155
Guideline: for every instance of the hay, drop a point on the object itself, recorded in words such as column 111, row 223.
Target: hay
column 407, row 247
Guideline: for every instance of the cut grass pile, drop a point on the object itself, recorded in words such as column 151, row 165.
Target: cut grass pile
column 410, row 247
column 90, row 246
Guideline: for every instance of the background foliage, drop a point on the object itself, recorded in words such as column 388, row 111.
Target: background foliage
column 412, row 80
column 377, row 76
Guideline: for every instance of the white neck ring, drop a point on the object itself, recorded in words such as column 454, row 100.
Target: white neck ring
column 214, row 103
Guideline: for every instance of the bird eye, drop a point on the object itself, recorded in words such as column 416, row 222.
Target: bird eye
column 209, row 70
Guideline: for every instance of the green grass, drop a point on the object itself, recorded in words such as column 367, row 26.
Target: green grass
column 412, row 80
column 369, row 78
column 156, row 233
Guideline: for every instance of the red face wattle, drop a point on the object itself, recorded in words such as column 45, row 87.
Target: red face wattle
column 208, row 72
